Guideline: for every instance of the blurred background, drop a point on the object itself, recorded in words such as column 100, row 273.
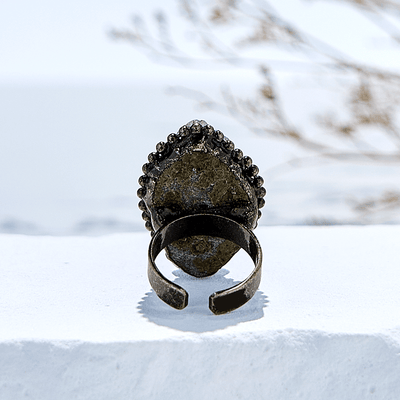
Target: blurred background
column 309, row 89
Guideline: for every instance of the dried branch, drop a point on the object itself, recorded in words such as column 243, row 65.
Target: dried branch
column 376, row 209
column 372, row 96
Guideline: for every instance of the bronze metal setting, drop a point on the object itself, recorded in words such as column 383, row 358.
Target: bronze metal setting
column 198, row 178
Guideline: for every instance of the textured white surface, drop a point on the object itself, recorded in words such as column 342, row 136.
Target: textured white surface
column 79, row 321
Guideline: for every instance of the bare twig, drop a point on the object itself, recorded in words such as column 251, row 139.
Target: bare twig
column 372, row 96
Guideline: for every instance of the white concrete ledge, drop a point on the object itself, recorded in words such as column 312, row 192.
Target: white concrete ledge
column 78, row 320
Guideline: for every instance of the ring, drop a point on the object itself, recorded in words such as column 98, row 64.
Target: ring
column 205, row 224
column 201, row 199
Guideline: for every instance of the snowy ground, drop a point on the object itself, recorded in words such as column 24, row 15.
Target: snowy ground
column 79, row 320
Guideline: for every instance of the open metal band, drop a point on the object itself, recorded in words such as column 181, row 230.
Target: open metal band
column 212, row 225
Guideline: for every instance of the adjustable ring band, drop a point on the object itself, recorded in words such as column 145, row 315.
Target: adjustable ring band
column 212, row 225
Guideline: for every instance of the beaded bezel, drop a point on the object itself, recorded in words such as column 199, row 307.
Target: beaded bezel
column 192, row 139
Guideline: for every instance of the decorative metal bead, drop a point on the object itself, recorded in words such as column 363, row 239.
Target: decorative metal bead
column 160, row 147
column 196, row 128
column 145, row 216
column 148, row 226
column 172, row 138
column 146, row 168
column 259, row 214
column 252, row 170
column 261, row 203
column 261, row 192
column 258, row 181
column 237, row 154
column 247, row 161
column 209, row 129
column 219, row 135
column 183, row 131
column 141, row 192
column 143, row 180
column 152, row 157
column 142, row 206
column 229, row 145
